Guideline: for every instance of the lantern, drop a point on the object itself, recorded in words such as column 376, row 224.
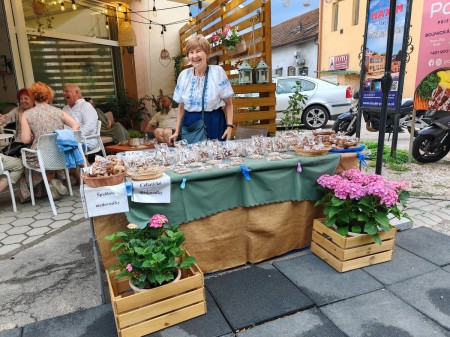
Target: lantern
column 245, row 73
column 262, row 72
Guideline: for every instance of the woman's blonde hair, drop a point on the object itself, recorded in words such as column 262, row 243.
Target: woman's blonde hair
column 41, row 92
column 198, row 41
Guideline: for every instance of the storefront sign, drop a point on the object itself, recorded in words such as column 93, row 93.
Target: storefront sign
column 104, row 200
column 375, row 51
column 156, row 191
column 339, row 62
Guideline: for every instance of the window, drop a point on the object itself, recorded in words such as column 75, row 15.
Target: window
column 307, row 85
column 303, row 71
column 291, row 71
column 334, row 22
column 355, row 18
column 58, row 62
column 279, row 71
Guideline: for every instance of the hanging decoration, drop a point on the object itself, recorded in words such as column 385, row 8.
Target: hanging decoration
column 262, row 72
column 245, row 73
column 127, row 36
column 164, row 56
column 38, row 7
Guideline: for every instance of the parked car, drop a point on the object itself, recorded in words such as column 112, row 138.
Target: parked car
column 325, row 101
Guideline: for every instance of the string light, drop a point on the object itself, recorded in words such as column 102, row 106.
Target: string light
column 155, row 13
column 120, row 7
column 162, row 31
column 62, row 6
column 107, row 23
column 74, row 5
column 150, row 28
column 199, row 5
column 224, row 7
column 164, row 27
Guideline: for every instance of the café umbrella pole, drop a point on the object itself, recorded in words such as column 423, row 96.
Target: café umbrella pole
column 386, row 83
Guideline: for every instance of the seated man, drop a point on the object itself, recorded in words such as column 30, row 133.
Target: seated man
column 83, row 112
column 109, row 127
column 164, row 122
column 15, row 168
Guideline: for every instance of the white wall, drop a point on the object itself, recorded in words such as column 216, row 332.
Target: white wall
column 151, row 73
column 284, row 57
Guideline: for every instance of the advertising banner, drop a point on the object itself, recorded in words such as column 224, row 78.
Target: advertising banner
column 375, row 52
column 433, row 66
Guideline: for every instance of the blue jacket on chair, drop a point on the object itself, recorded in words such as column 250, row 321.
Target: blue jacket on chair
column 69, row 146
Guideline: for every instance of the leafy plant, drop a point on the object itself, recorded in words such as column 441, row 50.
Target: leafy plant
column 121, row 105
column 292, row 116
column 150, row 256
column 361, row 203
column 178, row 65
column 399, row 163
column 134, row 134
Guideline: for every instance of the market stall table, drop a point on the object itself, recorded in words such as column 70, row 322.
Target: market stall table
column 113, row 149
column 228, row 220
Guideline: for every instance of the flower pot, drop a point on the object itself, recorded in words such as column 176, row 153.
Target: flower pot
column 346, row 253
column 38, row 7
column 239, row 48
column 139, row 290
column 133, row 142
column 140, row 314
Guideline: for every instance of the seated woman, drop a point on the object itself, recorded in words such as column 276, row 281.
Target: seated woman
column 43, row 119
column 164, row 122
column 14, row 116
column 109, row 127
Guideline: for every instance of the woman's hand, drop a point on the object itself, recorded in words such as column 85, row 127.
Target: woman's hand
column 227, row 134
column 173, row 138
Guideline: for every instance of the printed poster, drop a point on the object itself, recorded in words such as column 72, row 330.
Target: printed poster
column 375, row 52
column 433, row 66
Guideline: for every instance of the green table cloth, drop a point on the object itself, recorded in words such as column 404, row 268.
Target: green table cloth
column 211, row 192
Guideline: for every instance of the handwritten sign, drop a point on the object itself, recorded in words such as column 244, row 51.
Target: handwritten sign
column 156, row 191
column 105, row 200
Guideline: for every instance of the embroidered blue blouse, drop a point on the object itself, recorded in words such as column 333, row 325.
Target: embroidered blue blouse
column 189, row 89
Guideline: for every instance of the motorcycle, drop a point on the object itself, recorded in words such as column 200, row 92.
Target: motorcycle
column 423, row 119
column 346, row 122
column 433, row 142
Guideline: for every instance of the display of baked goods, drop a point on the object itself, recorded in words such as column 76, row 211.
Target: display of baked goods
column 104, row 172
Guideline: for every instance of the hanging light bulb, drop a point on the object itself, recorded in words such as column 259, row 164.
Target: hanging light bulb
column 120, row 7
column 74, row 5
column 190, row 13
column 150, row 27
column 107, row 24
column 162, row 31
column 224, row 7
column 155, row 13
column 62, row 6
column 164, row 27
column 199, row 5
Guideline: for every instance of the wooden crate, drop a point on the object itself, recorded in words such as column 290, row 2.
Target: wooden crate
column 159, row 308
column 348, row 253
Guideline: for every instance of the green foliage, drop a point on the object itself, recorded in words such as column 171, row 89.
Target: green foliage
column 134, row 134
column 178, row 65
column 292, row 116
column 427, row 86
column 150, row 256
column 121, row 105
column 399, row 163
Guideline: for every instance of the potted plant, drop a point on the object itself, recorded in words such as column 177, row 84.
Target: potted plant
column 362, row 203
column 230, row 39
column 150, row 256
column 134, row 137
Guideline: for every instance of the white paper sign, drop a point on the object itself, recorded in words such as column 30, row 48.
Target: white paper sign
column 156, row 191
column 106, row 200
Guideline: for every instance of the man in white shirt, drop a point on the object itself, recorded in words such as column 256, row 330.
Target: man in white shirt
column 82, row 111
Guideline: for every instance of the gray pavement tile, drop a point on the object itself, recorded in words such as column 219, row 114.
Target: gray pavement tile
column 429, row 294
column 9, row 248
column 18, row 230
column 6, row 220
column 447, row 268
column 31, row 239
column 4, row 228
column 77, row 217
column 41, row 223
column 321, row 283
column 26, row 214
column 404, row 265
column 62, row 216
column 11, row 239
column 426, row 243
column 44, row 215
column 254, row 295
column 12, row 333
column 381, row 314
column 98, row 322
column 307, row 323
column 22, row 222
column 212, row 324
column 59, row 224
column 38, row 231
column 66, row 209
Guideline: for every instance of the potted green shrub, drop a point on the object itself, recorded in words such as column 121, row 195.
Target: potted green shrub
column 134, row 137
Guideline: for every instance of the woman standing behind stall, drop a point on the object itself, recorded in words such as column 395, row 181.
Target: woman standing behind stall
column 43, row 119
column 14, row 116
column 218, row 105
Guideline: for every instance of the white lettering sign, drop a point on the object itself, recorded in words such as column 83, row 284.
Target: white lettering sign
column 439, row 6
column 106, row 200
column 156, row 191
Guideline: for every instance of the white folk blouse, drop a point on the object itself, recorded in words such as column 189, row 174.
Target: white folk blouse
column 189, row 89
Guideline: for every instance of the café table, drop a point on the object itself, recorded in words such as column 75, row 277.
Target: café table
column 113, row 149
column 229, row 220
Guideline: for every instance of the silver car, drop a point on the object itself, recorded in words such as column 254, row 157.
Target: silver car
column 324, row 101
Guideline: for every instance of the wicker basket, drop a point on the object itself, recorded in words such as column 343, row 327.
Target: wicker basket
column 103, row 181
column 311, row 153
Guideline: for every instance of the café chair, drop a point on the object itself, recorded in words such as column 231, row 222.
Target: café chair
column 99, row 146
column 11, row 191
column 49, row 158
column 243, row 132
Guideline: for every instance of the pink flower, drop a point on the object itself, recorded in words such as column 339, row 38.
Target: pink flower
column 129, row 267
column 158, row 220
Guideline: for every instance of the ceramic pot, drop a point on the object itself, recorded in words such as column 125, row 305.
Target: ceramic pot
column 133, row 141
column 139, row 290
